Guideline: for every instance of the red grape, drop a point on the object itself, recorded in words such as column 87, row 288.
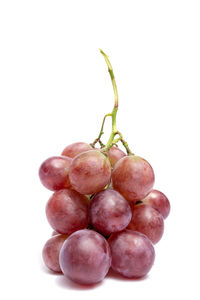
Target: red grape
column 90, row 172
column 132, row 253
column 109, row 212
column 115, row 154
column 54, row 173
column 148, row 221
column 51, row 251
column 159, row 201
column 75, row 149
column 85, row 257
column 67, row 211
column 133, row 177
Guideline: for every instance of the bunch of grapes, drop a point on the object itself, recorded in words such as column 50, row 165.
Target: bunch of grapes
column 104, row 210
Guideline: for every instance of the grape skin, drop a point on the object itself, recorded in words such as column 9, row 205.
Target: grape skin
column 75, row 149
column 159, row 201
column 67, row 211
column 115, row 154
column 85, row 257
column 132, row 253
column 51, row 251
column 109, row 212
column 54, row 173
column 133, row 177
column 90, row 172
column 148, row 221
column 54, row 233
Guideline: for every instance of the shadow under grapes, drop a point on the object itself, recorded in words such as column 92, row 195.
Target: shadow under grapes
column 114, row 275
column 66, row 283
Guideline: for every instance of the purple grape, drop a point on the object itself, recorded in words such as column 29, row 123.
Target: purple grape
column 159, row 201
column 67, row 211
column 85, row 257
column 90, row 172
column 132, row 253
column 51, row 251
column 75, row 149
column 133, row 177
column 148, row 221
column 115, row 154
column 54, row 173
column 109, row 212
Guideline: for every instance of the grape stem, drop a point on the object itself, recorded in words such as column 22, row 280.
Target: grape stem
column 124, row 143
column 98, row 139
column 114, row 131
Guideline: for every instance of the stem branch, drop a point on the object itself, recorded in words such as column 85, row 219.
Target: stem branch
column 98, row 139
column 124, row 143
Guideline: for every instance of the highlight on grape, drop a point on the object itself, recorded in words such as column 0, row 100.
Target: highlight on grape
column 104, row 211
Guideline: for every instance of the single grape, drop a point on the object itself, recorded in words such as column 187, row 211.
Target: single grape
column 67, row 211
column 51, row 251
column 109, row 212
column 54, row 173
column 132, row 253
column 159, row 201
column 133, row 177
column 115, row 154
column 148, row 221
column 85, row 257
column 75, row 149
column 90, row 172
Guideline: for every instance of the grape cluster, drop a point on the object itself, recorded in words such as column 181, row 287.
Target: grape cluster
column 104, row 213
column 104, row 210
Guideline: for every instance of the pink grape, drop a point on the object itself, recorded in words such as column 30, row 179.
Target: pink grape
column 159, row 201
column 115, row 154
column 54, row 172
column 148, row 221
column 90, row 172
column 85, row 257
column 133, row 177
column 109, row 212
column 67, row 211
column 51, row 251
column 132, row 253
column 75, row 149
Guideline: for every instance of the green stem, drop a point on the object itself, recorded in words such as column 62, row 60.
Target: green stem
column 98, row 139
column 111, row 141
column 116, row 141
column 110, row 70
column 114, row 111
column 125, row 144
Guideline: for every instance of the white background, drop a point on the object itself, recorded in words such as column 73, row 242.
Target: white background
column 55, row 89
